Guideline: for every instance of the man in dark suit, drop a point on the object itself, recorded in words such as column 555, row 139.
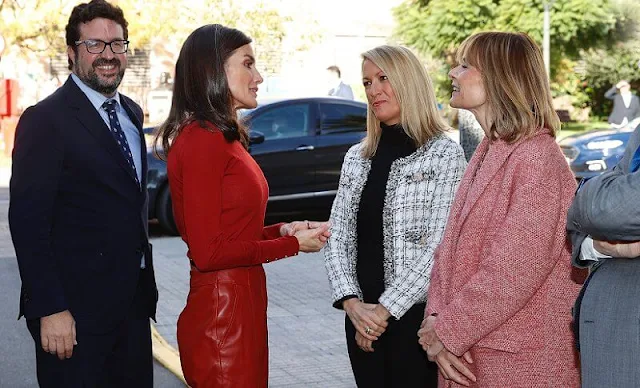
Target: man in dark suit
column 603, row 223
column 626, row 105
column 78, row 217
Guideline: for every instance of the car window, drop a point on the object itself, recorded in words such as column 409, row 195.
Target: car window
column 282, row 122
column 338, row 118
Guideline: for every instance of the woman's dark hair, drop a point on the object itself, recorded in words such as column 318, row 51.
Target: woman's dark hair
column 86, row 12
column 200, row 89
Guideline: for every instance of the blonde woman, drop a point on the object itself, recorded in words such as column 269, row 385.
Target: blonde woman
column 502, row 289
column 388, row 217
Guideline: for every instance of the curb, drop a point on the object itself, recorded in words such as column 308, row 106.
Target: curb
column 166, row 354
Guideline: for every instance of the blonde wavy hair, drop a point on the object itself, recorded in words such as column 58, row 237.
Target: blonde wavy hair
column 515, row 81
column 414, row 92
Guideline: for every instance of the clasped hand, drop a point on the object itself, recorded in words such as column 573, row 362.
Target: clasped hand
column 370, row 321
column 311, row 235
column 451, row 366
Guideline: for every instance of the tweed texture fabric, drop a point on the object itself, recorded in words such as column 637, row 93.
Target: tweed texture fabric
column 419, row 193
column 502, row 281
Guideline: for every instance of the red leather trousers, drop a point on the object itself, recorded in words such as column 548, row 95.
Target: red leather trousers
column 222, row 331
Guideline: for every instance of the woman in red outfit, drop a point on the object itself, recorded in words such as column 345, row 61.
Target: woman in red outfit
column 219, row 199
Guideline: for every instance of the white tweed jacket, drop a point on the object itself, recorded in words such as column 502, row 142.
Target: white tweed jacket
column 420, row 191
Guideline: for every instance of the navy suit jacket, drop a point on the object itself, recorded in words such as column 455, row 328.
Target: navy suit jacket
column 78, row 219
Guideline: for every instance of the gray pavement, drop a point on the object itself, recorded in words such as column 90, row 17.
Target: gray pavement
column 306, row 334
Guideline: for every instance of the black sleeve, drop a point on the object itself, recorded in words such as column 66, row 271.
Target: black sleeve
column 36, row 170
column 338, row 303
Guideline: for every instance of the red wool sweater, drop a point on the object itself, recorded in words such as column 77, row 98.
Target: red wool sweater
column 219, row 200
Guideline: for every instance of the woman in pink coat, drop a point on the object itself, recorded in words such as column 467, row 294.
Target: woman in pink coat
column 499, row 303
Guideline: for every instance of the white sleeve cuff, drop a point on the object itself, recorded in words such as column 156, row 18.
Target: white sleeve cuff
column 589, row 253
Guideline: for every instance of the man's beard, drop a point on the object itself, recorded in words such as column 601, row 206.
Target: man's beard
column 92, row 79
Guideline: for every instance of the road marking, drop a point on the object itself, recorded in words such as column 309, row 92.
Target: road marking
column 166, row 354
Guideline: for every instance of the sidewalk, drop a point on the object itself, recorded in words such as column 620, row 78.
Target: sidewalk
column 5, row 176
column 306, row 334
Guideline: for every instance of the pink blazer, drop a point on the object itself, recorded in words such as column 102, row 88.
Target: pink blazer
column 502, row 279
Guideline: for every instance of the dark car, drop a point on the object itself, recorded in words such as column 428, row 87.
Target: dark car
column 589, row 154
column 298, row 143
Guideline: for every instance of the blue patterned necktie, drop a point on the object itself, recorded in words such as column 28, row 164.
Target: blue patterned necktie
column 118, row 135
column 635, row 161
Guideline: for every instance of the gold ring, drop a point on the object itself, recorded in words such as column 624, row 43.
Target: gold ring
column 367, row 330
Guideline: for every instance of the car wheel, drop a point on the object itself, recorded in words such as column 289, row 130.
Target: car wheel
column 164, row 212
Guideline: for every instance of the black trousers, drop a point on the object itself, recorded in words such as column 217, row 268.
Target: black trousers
column 119, row 358
column 398, row 360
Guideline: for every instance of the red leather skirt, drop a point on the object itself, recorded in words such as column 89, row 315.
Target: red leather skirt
column 222, row 331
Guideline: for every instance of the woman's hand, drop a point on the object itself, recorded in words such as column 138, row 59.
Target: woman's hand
column 382, row 312
column 427, row 335
column 291, row 228
column 365, row 319
column 451, row 366
column 363, row 343
column 312, row 240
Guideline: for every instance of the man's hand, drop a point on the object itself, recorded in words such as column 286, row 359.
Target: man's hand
column 58, row 334
column 621, row 84
column 618, row 249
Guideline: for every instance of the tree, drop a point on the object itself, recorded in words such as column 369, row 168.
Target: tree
column 439, row 26
column 436, row 27
column 34, row 25
column 38, row 25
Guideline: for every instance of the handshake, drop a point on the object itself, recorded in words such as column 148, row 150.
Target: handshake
column 311, row 235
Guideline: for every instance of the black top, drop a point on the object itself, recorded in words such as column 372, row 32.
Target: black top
column 394, row 144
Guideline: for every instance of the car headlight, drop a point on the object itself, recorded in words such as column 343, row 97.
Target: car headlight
column 604, row 144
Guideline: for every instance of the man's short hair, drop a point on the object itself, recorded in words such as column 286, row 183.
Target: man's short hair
column 334, row 69
column 86, row 12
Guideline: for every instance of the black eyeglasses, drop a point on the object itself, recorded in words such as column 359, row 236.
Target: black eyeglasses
column 95, row 46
